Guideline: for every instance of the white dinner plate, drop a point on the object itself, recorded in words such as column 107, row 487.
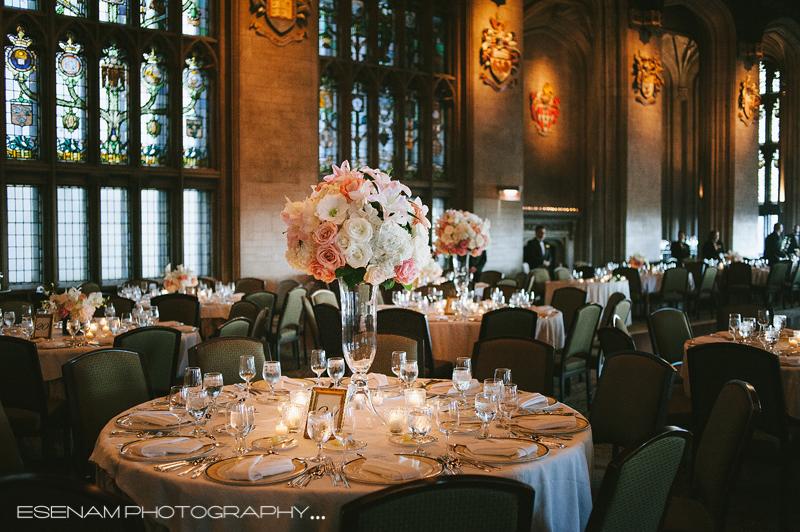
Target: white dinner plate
column 428, row 467
column 133, row 450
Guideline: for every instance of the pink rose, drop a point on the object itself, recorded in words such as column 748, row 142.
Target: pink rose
column 325, row 232
column 320, row 272
column 330, row 256
column 406, row 272
column 63, row 313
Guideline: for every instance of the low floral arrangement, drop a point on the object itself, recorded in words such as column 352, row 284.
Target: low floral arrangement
column 461, row 233
column 360, row 226
column 178, row 279
column 637, row 260
column 76, row 305
column 430, row 274
column 733, row 256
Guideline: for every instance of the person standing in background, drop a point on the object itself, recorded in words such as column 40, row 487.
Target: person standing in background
column 794, row 242
column 537, row 252
column 713, row 248
column 773, row 245
column 680, row 249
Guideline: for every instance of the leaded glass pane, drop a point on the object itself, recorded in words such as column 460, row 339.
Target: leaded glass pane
column 776, row 82
column 358, row 126
column 154, row 98
column 71, row 101
column 195, row 114
column 328, row 124
column 386, row 15
column 22, row 4
column 386, row 129
column 197, row 231
column 113, row 106
column 412, row 134
column 195, row 17
column 114, row 234
column 153, row 14
column 439, row 141
column 22, row 98
column 358, row 31
column 439, row 39
column 762, row 179
column 71, row 8
column 775, row 126
column 762, row 80
column 155, row 232
column 413, row 32
column 73, row 235
column 774, row 174
column 24, row 235
column 762, row 124
column 328, row 24
column 114, row 11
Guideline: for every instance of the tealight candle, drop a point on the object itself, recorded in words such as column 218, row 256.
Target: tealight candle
column 300, row 397
column 89, row 334
column 396, row 419
column 292, row 415
column 106, row 329
column 792, row 341
column 103, row 322
column 377, row 398
column 414, row 397
column 281, row 430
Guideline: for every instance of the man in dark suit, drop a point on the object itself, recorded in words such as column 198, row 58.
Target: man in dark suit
column 537, row 252
column 680, row 249
column 794, row 241
column 773, row 250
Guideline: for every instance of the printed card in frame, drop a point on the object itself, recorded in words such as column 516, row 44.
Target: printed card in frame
column 331, row 400
column 43, row 327
column 450, row 308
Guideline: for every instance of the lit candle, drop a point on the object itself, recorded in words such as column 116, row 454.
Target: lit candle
column 792, row 341
column 106, row 329
column 377, row 398
column 300, row 397
column 292, row 415
column 396, row 419
column 89, row 334
column 103, row 322
column 281, row 430
column 414, row 397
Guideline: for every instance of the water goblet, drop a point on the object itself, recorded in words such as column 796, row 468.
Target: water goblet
column 73, row 326
column 336, row 370
column 746, row 328
column 503, row 374
column 734, row 320
column 247, row 370
column 779, row 322
column 113, row 325
column 763, row 319
column 272, row 374
column 486, row 410
column 192, row 377
column 177, row 403
column 345, row 431
column 419, row 423
column 771, row 337
column 110, row 311
column 197, row 403
column 318, row 364
column 509, row 402
column 27, row 326
column 239, row 421
column 408, row 373
column 320, row 429
column 212, row 382
column 462, row 378
column 398, row 359
column 9, row 318
column 447, row 420
column 154, row 314
column 493, row 387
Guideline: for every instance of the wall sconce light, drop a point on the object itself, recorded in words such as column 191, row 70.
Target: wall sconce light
column 509, row 193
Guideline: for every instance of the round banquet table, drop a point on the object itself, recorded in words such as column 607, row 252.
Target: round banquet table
column 561, row 480
column 597, row 292
column 215, row 312
column 790, row 368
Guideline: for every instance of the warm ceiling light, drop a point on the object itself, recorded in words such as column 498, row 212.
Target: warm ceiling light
column 509, row 193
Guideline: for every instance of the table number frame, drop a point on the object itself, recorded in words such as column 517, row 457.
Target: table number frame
column 43, row 327
column 332, row 400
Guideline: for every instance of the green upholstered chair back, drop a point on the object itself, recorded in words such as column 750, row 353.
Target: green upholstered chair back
column 581, row 335
column 619, row 323
column 178, row 307
column 708, row 280
column 89, row 287
column 234, row 327
column 462, row 502
column 778, row 273
column 17, row 307
column 634, row 280
column 608, row 310
column 101, row 385
column 506, row 289
column 623, row 310
column 562, row 274
column 223, row 354
column 122, row 305
column 739, row 274
column 568, row 300
column 539, row 277
column 10, row 460
column 669, row 330
column 326, row 297
column 388, row 343
column 283, row 289
column 261, row 299
column 161, row 348
column 508, row 322
column 674, row 282
column 244, row 309
column 248, row 285
column 745, row 310
column 329, row 325
column 262, row 328
column 23, row 387
column 311, row 322
column 490, row 277
column 530, row 361
column 291, row 314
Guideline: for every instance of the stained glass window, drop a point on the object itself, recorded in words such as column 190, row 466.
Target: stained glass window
column 70, row 101
column 155, row 232
column 115, row 11
column 114, row 234
column 328, row 124
column 71, row 8
column 22, row 4
column 358, row 30
column 22, row 98
column 386, row 114
column 113, row 106
column 439, row 38
column 358, row 126
column 73, row 235
column 153, row 14
column 195, row 114
column 154, row 98
column 411, row 141
column 413, row 32
column 386, row 32
column 328, row 24
column 24, row 234
column 195, row 17
column 197, row 231
column 769, row 132
column 439, row 140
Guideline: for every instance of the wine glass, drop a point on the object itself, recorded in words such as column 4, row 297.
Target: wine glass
column 154, row 314
column 493, row 387
column 272, row 374
column 239, row 421
column 770, row 337
column 419, row 423
column 462, row 378
column 346, row 429
column 734, row 320
column 191, row 378
column 763, row 319
column 779, row 322
column 212, row 382
column 320, row 429
column 486, row 410
column 408, row 372
column 509, row 402
column 318, row 364
column 398, row 359
column 73, row 326
column 247, row 370
column 336, row 370
column 110, row 311
column 127, row 320
column 113, row 325
column 197, row 403
column 27, row 325
column 446, row 411
column 504, row 374
column 746, row 327
column 177, row 403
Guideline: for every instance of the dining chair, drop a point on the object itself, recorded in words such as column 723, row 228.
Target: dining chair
column 244, row 309
column 562, row 274
column 738, row 283
column 509, row 281
column 329, row 325
column 311, row 323
column 448, row 289
column 262, row 327
column 505, row 289
column 537, row 281
column 248, row 285
column 210, row 282
column 282, row 290
column 89, row 287
column 445, row 503
column 530, row 361
column 182, row 308
column 638, row 296
column 490, row 277
column 674, row 286
column 792, row 287
column 568, row 300
column 261, row 299
column 521, row 279
column 100, row 385
column 75, row 504
column 10, row 459
column 324, row 296
column 222, row 355
column 773, row 289
column 746, row 310
column 611, row 340
column 406, row 321
column 637, row 485
column 717, row 462
column 161, row 349
column 574, row 359
column 122, row 305
column 705, row 291
column 389, row 343
column 608, row 310
column 587, row 272
column 17, row 307
column 28, row 407
column 289, row 323
column 669, row 330
column 508, row 321
column 240, row 326
column 631, row 399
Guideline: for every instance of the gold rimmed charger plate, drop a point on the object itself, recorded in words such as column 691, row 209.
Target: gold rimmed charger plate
column 407, row 440
column 582, row 425
column 270, row 444
column 262, row 385
column 391, row 382
column 550, row 402
column 130, row 423
column 541, row 451
column 428, row 467
column 133, row 450
column 216, row 472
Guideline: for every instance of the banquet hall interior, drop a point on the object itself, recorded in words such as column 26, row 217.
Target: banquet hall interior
column 646, row 137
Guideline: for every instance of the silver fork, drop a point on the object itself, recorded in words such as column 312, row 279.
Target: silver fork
column 329, row 470
column 205, row 466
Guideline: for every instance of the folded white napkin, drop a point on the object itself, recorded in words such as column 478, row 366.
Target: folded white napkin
column 285, row 383
column 395, row 468
column 544, row 308
column 789, row 360
column 504, row 448
column 448, row 388
column 534, row 400
column 377, row 380
column 255, row 468
column 160, row 419
column 176, row 446
column 548, row 422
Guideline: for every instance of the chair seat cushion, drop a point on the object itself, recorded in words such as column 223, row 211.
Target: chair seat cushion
column 574, row 364
column 686, row 514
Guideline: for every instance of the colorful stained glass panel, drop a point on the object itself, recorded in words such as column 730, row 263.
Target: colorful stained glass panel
column 23, row 117
column 439, row 141
column 153, row 14
column 386, row 17
column 71, row 101
column 195, row 17
column 154, row 99
column 114, row 11
column 411, row 141
column 358, row 126
column 328, row 124
column 438, row 62
column 195, row 114
column 328, row 26
column 413, row 20
column 113, row 106
column 386, row 115
column 71, row 8
column 358, row 30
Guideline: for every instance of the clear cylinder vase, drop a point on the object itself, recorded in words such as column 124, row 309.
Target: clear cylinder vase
column 359, row 337
column 461, row 275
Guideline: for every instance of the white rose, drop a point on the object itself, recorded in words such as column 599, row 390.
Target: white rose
column 375, row 275
column 358, row 254
column 358, row 229
column 342, row 240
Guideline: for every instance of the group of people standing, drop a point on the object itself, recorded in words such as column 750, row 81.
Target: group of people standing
column 776, row 247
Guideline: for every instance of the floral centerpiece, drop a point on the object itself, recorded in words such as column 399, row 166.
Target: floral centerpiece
column 76, row 305
column 637, row 260
column 178, row 279
column 430, row 274
column 733, row 256
column 461, row 233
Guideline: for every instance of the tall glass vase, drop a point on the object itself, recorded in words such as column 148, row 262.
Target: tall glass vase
column 359, row 338
column 461, row 275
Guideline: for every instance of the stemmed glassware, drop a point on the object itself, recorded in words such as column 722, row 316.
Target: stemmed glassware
column 419, row 424
column 197, row 403
column 239, row 422
column 272, row 374
column 503, row 374
column 320, row 429
column 408, row 372
column 462, row 378
column 746, row 328
column 212, row 382
column 763, row 319
column 177, row 403
column 486, row 410
column 247, row 370
column 346, row 429
column 110, row 311
column 73, row 326
column 191, row 378
column 318, row 363
column 398, row 359
column 336, row 370
column 9, row 318
column 27, row 325
column 493, row 387
column 509, row 402
column 770, row 337
column 447, row 420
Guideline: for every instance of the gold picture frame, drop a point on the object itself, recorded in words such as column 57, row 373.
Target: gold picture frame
column 450, row 307
column 332, row 400
column 43, row 327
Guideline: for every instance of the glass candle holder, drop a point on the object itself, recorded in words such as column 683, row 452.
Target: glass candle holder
column 414, row 397
column 396, row 419
column 377, row 398
column 300, row 397
column 292, row 415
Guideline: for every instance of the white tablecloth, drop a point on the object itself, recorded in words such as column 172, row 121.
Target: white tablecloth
column 218, row 309
column 561, row 480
